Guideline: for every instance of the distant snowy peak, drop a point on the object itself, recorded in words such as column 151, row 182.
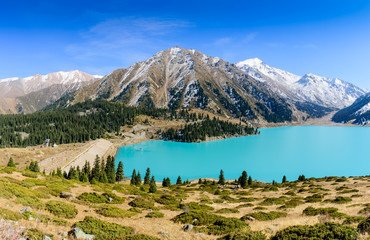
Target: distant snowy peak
column 327, row 92
column 258, row 69
column 16, row 86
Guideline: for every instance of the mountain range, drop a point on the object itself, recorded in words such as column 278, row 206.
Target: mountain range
column 182, row 78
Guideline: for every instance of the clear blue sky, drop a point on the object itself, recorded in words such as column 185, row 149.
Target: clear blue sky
column 326, row 37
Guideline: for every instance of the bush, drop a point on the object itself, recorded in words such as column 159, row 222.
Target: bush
column 265, row 216
column 154, row 214
column 100, row 198
column 244, row 236
column 115, row 212
column 227, row 210
column 34, row 234
column 140, row 237
column 332, row 212
column 273, row 201
column 168, row 200
column 328, row 231
column 196, row 206
column 341, row 200
column 364, row 226
column 104, row 230
column 314, row 198
column 142, row 203
column 211, row 223
column 10, row 215
column 61, row 209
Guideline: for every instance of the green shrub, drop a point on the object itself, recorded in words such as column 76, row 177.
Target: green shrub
column 353, row 219
column 10, row 215
column 142, row 203
column 273, row 201
column 247, row 235
column 227, row 210
column 104, row 230
column 34, row 234
column 140, row 237
column 61, row 209
column 314, row 198
column 169, row 201
column 265, row 216
column 341, row 200
column 364, row 226
column 332, row 212
column 196, row 206
column 100, row 198
column 211, row 223
column 365, row 210
column 328, row 231
column 292, row 203
column 115, row 212
column 154, row 214
column 226, row 225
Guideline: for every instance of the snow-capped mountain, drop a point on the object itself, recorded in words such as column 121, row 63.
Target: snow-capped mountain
column 358, row 112
column 327, row 92
column 177, row 78
column 35, row 92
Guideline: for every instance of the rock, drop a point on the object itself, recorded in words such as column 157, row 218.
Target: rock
column 47, row 238
column 110, row 199
column 187, row 227
column 65, row 195
column 77, row 233
column 25, row 209
column 250, row 218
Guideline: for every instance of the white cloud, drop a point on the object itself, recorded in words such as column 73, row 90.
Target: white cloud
column 125, row 39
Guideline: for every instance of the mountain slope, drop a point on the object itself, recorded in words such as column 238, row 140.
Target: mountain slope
column 35, row 92
column 358, row 112
column 330, row 93
column 177, row 78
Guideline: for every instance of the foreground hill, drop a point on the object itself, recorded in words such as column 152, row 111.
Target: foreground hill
column 36, row 205
column 357, row 113
column 33, row 93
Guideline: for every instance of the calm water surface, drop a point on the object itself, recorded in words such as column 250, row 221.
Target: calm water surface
column 310, row 150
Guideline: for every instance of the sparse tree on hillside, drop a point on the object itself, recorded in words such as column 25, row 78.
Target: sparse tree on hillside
column 284, row 179
column 179, row 181
column 119, row 173
column 147, row 176
column 11, row 162
column 152, row 185
column 221, row 178
column 133, row 178
column 243, row 180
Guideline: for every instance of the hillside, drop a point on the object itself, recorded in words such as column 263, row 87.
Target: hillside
column 357, row 113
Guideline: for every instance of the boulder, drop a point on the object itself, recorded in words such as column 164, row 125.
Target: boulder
column 65, row 195
column 77, row 233
column 187, row 227
column 25, row 209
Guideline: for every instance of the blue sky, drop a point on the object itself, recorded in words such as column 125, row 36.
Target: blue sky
column 326, row 37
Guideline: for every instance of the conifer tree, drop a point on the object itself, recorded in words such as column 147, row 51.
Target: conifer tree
column 95, row 172
column 11, row 163
column 284, row 179
column 166, row 182
column 152, row 185
column 138, row 179
column 243, row 180
column 147, row 176
column 59, row 172
column 103, row 177
column 179, row 181
column 250, row 181
column 119, row 173
column 221, row 178
column 110, row 169
column 133, row 178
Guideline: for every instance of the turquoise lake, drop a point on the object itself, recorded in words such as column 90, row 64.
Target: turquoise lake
column 315, row 151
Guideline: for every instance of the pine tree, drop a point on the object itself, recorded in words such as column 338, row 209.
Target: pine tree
column 250, row 181
column 110, row 169
column 152, row 185
column 221, row 178
column 119, row 173
column 166, row 182
column 138, row 179
column 59, row 172
column 95, row 172
column 11, row 163
column 133, row 178
column 284, row 179
column 147, row 176
column 84, row 178
column 103, row 177
column 179, row 181
column 243, row 180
